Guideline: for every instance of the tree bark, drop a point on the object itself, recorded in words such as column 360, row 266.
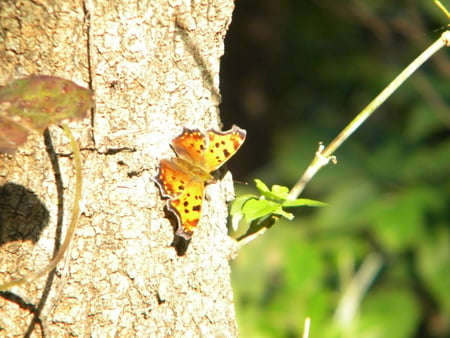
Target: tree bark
column 154, row 68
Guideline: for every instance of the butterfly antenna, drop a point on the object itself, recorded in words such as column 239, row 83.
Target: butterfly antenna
column 240, row 182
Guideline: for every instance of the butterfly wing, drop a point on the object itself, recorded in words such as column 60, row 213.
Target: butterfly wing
column 190, row 145
column 172, row 178
column 188, row 208
column 222, row 146
column 184, row 185
column 182, row 179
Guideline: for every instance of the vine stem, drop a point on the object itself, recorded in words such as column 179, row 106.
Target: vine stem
column 73, row 222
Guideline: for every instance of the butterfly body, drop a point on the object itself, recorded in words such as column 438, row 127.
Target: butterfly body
column 182, row 179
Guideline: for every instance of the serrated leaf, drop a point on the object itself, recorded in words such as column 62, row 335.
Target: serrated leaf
column 35, row 102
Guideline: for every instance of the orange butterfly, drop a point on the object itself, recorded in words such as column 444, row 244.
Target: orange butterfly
column 182, row 179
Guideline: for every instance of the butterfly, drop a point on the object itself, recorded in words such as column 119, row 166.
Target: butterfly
column 182, row 179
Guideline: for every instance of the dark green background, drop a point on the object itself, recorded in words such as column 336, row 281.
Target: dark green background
column 294, row 74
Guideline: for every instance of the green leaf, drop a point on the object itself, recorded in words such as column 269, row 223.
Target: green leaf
column 284, row 214
column 261, row 186
column 261, row 208
column 257, row 208
column 237, row 204
column 35, row 102
column 270, row 203
column 301, row 202
column 278, row 192
column 236, row 209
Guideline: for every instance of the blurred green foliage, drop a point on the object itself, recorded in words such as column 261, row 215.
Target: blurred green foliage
column 376, row 261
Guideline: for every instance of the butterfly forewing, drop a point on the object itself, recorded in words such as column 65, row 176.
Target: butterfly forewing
column 191, row 145
column 222, row 146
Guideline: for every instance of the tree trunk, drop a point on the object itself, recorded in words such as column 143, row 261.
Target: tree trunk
column 153, row 66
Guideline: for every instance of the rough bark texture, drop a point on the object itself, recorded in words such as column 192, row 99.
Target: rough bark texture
column 154, row 68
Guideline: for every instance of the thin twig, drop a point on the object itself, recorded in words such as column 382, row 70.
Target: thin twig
column 442, row 8
column 324, row 156
column 318, row 161
column 354, row 292
column 306, row 327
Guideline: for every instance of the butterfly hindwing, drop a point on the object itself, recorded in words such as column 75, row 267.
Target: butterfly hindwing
column 172, row 178
column 188, row 207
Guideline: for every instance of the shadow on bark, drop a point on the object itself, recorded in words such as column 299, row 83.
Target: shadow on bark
column 22, row 214
column 23, row 217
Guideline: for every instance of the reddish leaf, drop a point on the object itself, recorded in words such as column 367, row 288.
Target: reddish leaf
column 35, row 102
